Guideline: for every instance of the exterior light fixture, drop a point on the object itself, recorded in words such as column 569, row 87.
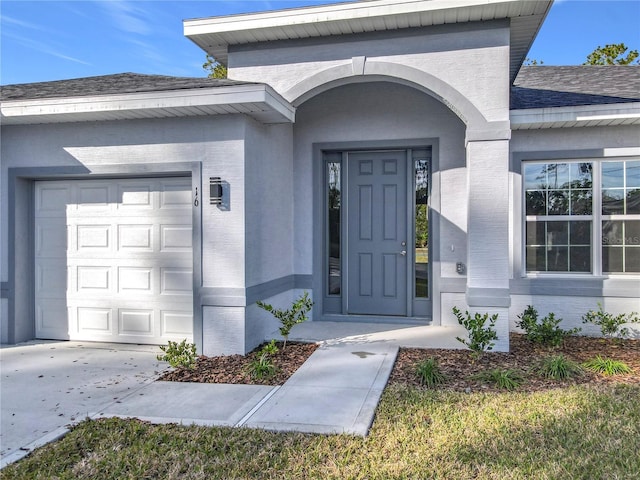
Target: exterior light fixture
column 215, row 191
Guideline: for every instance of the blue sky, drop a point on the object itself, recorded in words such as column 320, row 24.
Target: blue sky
column 51, row 40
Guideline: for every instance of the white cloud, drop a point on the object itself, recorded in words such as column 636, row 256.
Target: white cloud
column 42, row 47
column 126, row 16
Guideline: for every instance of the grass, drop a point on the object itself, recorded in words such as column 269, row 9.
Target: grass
column 575, row 432
column 429, row 373
column 501, row 378
column 559, row 367
column 606, row 366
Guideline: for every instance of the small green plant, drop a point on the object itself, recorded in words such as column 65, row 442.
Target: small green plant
column 429, row 373
column 559, row 367
column 263, row 366
column 181, row 354
column 290, row 317
column 610, row 325
column 606, row 366
column 546, row 331
column 481, row 338
column 505, row 379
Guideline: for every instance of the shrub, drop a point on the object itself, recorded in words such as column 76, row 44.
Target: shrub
column 610, row 325
column 559, row 367
column 429, row 373
column 288, row 318
column 480, row 337
column 606, row 366
column 181, row 354
column 263, row 366
column 545, row 331
column 505, row 379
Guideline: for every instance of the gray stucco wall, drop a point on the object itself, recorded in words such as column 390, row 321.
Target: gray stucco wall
column 471, row 58
column 568, row 296
column 125, row 148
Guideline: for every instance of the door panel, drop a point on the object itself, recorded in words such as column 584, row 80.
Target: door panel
column 377, row 233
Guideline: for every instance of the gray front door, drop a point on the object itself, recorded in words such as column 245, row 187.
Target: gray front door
column 377, row 233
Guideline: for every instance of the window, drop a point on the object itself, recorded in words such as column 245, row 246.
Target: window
column 334, row 193
column 564, row 220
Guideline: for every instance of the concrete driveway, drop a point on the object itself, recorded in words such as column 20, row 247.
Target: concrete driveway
column 46, row 385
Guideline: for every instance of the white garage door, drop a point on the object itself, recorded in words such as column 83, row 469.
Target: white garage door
column 113, row 260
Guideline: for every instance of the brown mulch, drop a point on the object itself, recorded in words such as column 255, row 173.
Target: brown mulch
column 524, row 358
column 457, row 365
column 235, row 368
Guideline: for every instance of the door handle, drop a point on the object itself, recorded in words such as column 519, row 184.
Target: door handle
column 403, row 253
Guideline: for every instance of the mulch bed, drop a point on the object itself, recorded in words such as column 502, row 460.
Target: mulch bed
column 457, row 365
column 235, row 368
column 524, row 357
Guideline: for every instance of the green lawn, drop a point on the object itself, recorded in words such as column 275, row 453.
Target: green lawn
column 581, row 432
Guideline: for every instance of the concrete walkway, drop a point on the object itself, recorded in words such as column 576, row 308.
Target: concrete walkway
column 47, row 386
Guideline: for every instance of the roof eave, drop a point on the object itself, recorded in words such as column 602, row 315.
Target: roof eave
column 258, row 101
column 576, row 116
column 215, row 34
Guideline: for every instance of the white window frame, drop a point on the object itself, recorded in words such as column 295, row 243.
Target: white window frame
column 596, row 218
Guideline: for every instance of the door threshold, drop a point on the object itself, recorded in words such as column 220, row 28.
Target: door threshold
column 394, row 320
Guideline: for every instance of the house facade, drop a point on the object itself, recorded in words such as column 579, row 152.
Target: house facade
column 391, row 157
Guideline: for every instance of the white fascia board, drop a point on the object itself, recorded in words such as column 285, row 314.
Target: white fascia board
column 335, row 13
column 575, row 115
column 231, row 95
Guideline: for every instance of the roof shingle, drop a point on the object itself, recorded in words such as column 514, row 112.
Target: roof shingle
column 543, row 87
column 121, row 83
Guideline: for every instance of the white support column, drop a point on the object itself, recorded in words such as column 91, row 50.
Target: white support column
column 488, row 232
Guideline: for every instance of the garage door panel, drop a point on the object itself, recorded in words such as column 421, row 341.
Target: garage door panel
column 175, row 238
column 52, row 199
column 93, row 238
column 136, row 280
column 119, row 260
column 52, row 319
column 50, row 237
column 135, row 237
column 51, row 278
column 173, row 324
column 94, row 321
column 136, row 322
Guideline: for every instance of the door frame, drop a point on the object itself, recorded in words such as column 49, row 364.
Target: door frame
column 333, row 308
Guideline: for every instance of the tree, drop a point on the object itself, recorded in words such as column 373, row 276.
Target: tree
column 532, row 62
column 612, row 54
column 215, row 69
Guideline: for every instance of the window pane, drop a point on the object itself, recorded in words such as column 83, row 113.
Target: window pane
column 612, row 202
column 557, row 175
column 581, row 175
column 580, row 233
column 557, row 233
column 535, row 177
column 557, row 259
column 632, row 232
column 612, row 174
column 633, row 174
column 580, row 259
column 536, row 204
column 536, row 259
column 612, row 259
column 421, row 173
column 633, row 201
column 632, row 259
column 558, row 202
column 581, row 202
column 334, row 203
column 612, row 233
column 536, row 233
